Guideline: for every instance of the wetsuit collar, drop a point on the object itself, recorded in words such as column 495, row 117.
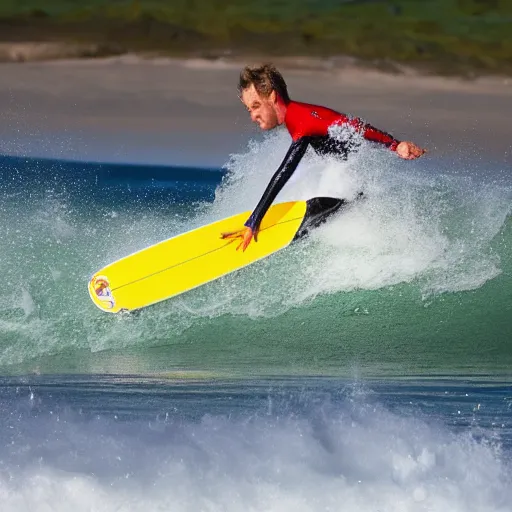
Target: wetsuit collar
column 281, row 108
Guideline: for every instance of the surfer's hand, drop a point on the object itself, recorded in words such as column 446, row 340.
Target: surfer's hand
column 246, row 234
column 409, row 150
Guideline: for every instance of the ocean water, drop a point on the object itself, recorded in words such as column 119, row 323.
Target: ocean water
column 366, row 368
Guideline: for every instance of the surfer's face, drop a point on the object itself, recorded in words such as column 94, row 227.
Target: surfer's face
column 263, row 110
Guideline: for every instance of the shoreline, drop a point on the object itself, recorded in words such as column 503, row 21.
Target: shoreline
column 355, row 69
column 446, row 39
column 55, row 51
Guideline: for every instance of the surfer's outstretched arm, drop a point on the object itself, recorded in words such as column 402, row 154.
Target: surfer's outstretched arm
column 282, row 175
column 405, row 149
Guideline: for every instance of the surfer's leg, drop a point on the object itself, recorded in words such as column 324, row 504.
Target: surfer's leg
column 319, row 209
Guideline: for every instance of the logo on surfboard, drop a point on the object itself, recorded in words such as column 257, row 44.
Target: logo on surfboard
column 101, row 288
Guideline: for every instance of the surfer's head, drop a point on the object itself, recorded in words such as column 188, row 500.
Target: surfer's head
column 263, row 91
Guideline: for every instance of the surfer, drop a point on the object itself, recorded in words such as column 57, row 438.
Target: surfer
column 264, row 93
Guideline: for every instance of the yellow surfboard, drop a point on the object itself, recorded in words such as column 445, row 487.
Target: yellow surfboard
column 197, row 257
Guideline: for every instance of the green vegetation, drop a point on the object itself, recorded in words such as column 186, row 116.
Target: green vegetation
column 451, row 36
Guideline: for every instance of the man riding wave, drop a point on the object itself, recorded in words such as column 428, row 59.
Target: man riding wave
column 264, row 93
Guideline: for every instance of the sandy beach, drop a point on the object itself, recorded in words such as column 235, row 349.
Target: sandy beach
column 171, row 111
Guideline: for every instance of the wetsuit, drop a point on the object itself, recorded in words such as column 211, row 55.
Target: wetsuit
column 309, row 125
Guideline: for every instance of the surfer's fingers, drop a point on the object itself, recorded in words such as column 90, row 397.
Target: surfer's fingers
column 232, row 234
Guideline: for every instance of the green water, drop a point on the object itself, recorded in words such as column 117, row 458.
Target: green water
column 396, row 287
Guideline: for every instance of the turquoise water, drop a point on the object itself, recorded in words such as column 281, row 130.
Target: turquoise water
column 365, row 368
column 415, row 281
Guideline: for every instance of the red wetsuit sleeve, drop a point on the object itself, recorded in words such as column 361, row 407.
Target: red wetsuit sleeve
column 370, row 133
column 304, row 119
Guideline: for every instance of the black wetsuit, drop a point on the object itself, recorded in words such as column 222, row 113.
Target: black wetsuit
column 309, row 126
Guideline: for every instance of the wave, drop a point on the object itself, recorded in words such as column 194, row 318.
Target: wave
column 424, row 260
column 125, row 444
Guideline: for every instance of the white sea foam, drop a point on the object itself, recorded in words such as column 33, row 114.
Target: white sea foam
column 352, row 457
column 412, row 225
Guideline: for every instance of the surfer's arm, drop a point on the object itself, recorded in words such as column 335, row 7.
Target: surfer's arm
column 404, row 149
column 369, row 132
column 282, row 175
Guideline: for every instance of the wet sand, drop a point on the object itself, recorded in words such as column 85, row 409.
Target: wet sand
column 187, row 112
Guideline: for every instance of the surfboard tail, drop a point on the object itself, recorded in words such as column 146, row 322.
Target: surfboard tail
column 319, row 210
